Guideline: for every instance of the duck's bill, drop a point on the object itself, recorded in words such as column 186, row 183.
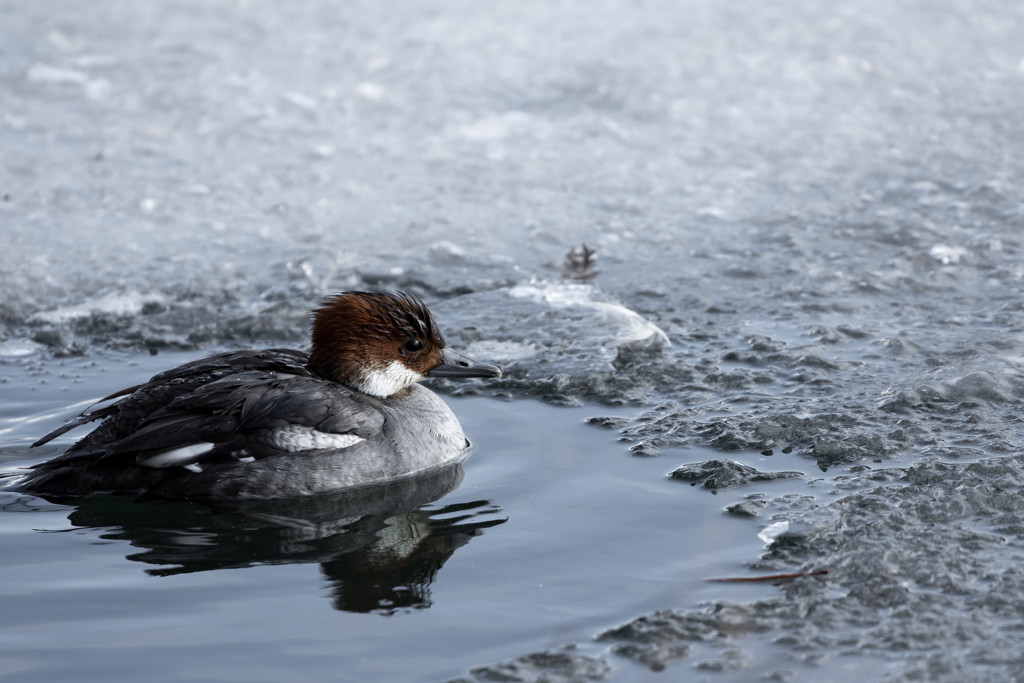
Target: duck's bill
column 456, row 366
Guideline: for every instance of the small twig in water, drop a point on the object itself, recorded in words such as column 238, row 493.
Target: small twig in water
column 773, row 577
column 579, row 263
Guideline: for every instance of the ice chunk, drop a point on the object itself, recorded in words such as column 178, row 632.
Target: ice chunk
column 130, row 303
column 368, row 90
column 773, row 531
column 17, row 348
column 94, row 88
column 498, row 127
column 947, row 255
column 625, row 325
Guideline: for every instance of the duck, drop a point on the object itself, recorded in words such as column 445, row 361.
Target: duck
column 278, row 423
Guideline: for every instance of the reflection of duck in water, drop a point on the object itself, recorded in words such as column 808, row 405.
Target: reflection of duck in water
column 397, row 570
column 380, row 546
column 279, row 423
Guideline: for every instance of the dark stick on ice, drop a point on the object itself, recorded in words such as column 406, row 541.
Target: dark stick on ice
column 773, row 577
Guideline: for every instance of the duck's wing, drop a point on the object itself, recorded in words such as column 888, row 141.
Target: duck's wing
column 244, row 415
column 135, row 404
column 90, row 414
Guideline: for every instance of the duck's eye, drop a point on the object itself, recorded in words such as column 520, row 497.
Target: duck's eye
column 413, row 345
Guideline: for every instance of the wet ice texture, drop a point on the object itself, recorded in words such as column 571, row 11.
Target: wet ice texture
column 808, row 217
column 918, row 576
column 549, row 666
column 721, row 474
column 919, row 579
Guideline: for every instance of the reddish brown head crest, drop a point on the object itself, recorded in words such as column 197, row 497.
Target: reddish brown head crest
column 355, row 333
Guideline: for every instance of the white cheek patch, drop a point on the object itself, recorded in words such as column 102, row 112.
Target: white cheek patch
column 295, row 438
column 392, row 379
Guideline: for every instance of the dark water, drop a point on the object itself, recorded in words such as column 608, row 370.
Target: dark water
column 808, row 223
column 551, row 533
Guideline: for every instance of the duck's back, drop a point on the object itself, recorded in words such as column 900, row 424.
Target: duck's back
column 142, row 401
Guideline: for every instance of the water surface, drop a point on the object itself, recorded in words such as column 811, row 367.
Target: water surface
column 552, row 533
column 807, row 220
